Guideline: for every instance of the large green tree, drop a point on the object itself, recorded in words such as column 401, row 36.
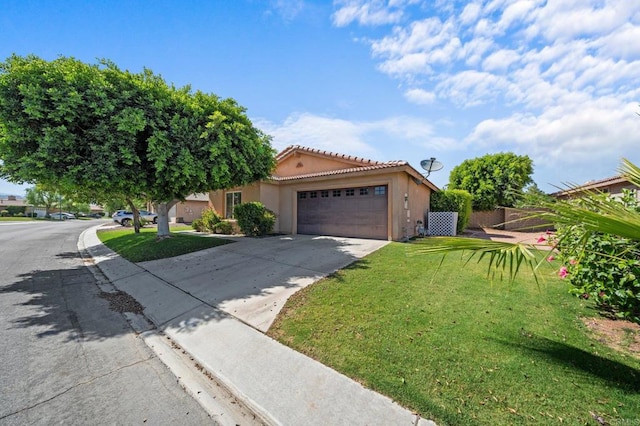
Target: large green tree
column 104, row 132
column 39, row 196
column 493, row 180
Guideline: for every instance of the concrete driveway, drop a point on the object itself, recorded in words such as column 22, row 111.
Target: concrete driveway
column 252, row 278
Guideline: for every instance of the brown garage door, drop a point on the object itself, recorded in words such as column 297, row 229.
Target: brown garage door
column 349, row 212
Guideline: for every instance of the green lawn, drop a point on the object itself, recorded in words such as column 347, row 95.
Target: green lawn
column 15, row 219
column 144, row 246
column 459, row 349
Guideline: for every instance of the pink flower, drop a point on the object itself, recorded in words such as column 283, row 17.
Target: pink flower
column 573, row 262
column 563, row 272
column 541, row 239
column 550, row 259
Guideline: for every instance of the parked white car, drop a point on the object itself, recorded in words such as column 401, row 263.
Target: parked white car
column 62, row 216
column 125, row 218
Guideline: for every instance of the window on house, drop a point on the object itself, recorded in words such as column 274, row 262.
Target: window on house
column 337, row 192
column 364, row 191
column 380, row 190
column 233, row 199
column 313, row 194
column 349, row 192
column 302, row 195
column 324, row 194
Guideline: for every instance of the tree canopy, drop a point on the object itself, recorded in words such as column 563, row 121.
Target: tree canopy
column 104, row 132
column 493, row 180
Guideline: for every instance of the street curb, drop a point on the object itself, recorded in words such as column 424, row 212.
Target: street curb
column 198, row 384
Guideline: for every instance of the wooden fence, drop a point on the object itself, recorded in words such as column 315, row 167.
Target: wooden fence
column 508, row 219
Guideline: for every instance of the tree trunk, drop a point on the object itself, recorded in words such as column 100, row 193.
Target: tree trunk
column 162, row 209
column 136, row 216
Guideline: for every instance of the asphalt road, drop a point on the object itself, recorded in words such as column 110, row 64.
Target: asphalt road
column 65, row 357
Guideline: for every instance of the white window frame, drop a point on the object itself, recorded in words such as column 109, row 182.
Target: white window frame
column 230, row 205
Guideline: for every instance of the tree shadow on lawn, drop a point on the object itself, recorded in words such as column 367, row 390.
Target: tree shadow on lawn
column 356, row 265
column 615, row 374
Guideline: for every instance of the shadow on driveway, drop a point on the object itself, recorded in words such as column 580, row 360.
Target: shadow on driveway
column 253, row 278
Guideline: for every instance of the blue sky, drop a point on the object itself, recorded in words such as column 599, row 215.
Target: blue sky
column 558, row 80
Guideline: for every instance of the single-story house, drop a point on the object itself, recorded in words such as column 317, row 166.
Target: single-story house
column 611, row 185
column 189, row 209
column 323, row 193
column 12, row 200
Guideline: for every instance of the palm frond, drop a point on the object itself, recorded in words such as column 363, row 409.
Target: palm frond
column 504, row 258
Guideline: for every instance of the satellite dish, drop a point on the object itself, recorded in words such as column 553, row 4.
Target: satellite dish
column 431, row 165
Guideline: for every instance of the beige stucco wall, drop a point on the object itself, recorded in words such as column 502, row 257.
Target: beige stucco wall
column 301, row 164
column 189, row 210
column 401, row 220
column 270, row 197
column 249, row 192
column 281, row 196
column 406, row 213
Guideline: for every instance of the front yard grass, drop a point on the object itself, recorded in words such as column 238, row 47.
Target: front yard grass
column 145, row 246
column 459, row 349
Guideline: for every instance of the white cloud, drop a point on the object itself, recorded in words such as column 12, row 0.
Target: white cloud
column 288, row 9
column 568, row 19
column 469, row 88
column 500, row 60
column 470, row 13
column 326, row 133
column 603, row 130
column 378, row 12
column 348, row 137
column 419, row 96
column 623, row 43
column 564, row 73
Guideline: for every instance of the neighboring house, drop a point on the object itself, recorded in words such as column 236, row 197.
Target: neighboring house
column 323, row 193
column 12, row 201
column 189, row 209
column 612, row 185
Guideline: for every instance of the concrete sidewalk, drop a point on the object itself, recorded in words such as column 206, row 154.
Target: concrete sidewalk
column 279, row 384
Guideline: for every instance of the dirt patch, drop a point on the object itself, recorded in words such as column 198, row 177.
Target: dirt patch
column 620, row 335
column 122, row 302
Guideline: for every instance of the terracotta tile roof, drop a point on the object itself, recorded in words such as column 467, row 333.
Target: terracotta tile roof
column 594, row 184
column 292, row 148
column 359, row 165
column 376, row 166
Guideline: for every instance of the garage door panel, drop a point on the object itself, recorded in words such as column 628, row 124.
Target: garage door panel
column 355, row 213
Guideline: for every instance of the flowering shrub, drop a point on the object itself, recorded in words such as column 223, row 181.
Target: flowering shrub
column 602, row 267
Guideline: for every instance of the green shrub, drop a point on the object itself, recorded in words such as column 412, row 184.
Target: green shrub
column 603, row 267
column 254, row 219
column 223, row 227
column 453, row 200
column 198, row 225
column 210, row 218
column 4, row 213
column 15, row 210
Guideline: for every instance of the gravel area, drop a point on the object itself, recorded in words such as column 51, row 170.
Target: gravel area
column 122, row 302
